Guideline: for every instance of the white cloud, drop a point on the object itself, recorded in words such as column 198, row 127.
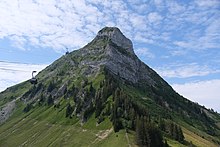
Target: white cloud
column 186, row 70
column 158, row 2
column 47, row 22
column 175, row 8
column 138, row 22
column 208, row 3
column 142, row 37
column 18, row 42
column 14, row 73
column 198, row 40
column 154, row 17
column 56, row 24
column 144, row 52
column 204, row 92
column 178, row 52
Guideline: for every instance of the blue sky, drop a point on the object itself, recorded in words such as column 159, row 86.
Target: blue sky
column 179, row 39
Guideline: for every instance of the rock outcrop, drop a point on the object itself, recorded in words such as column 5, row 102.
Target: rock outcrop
column 116, row 36
column 115, row 51
column 7, row 110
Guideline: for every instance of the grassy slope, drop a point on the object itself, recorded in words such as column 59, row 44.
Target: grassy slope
column 13, row 92
column 196, row 139
column 38, row 128
column 192, row 137
column 48, row 127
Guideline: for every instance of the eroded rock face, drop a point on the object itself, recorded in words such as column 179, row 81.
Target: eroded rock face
column 117, row 37
column 122, row 65
column 6, row 111
column 118, row 56
column 128, row 67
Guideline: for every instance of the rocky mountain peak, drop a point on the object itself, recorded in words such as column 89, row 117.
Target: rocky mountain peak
column 111, row 49
column 117, row 37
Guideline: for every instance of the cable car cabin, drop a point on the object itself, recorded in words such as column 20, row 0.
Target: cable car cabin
column 67, row 51
column 33, row 81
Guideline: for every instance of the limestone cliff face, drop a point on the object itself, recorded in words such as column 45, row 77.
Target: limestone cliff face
column 116, row 36
column 112, row 49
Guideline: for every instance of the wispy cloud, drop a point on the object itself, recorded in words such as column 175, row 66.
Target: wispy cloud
column 209, row 3
column 154, row 17
column 204, row 92
column 18, row 42
column 73, row 23
column 175, row 8
column 144, row 52
column 14, row 73
column 202, row 39
column 186, row 70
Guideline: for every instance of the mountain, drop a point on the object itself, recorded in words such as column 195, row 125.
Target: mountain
column 103, row 95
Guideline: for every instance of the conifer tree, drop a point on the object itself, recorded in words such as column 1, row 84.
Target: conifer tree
column 98, row 104
column 156, row 139
column 69, row 110
column 139, row 132
column 50, row 100
column 176, row 133
column 180, row 136
column 146, row 132
column 166, row 144
column 162, row 125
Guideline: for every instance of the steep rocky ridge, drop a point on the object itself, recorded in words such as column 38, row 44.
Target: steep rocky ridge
column 121, row 59
column 112, row 49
